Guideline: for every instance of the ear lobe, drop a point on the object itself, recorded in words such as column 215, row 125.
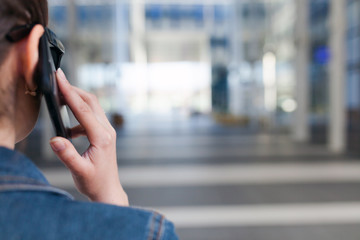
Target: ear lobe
column 30, row 55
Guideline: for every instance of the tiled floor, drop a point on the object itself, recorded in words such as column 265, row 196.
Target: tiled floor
column 225, row 184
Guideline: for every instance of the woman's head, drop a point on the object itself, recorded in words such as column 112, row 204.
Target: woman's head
column 19, row 12
column 18, row 111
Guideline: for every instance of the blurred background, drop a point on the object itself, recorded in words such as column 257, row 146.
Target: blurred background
column 237, row 119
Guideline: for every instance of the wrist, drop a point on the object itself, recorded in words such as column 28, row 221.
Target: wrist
column 115, row 197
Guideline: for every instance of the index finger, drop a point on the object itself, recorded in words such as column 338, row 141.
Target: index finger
column 82, row 111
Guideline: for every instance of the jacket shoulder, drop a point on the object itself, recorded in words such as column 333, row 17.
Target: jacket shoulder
column 50, row 217
column 112, row 222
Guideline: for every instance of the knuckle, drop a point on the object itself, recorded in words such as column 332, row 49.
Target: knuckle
column 71, row 88
column 70, row 158
column 93, row 97
column 67, row 92
column 84, row 108
column 106, row 140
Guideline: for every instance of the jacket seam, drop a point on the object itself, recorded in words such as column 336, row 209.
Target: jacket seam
column 152, row 227
column 21, row 178
column 160, row 227
column 28, row 187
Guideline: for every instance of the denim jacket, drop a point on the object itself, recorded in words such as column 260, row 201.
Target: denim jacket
column 30, row 208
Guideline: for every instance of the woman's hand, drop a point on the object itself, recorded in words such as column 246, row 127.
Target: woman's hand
column 95, row 172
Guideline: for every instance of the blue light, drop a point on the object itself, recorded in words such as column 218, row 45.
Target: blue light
column 322, row 55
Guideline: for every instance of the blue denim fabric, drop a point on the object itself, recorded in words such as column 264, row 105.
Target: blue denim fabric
column 32, row 209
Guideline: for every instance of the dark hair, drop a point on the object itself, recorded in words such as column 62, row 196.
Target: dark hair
column 19, row 12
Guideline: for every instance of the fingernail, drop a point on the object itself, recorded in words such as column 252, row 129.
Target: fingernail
column 61, row 74
column 57, row 145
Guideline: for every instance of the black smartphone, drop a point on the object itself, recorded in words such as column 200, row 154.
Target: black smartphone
column 50, row 53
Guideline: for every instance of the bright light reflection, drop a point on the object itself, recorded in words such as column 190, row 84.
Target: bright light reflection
column 289, row 105
column 269, row 79
column 156, row 88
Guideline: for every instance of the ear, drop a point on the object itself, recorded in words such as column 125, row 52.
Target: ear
column 29, row 55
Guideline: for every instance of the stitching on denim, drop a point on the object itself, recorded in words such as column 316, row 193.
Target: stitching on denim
column 160, row 227
column 152, row 227
column 26, row 187
column 20, row 178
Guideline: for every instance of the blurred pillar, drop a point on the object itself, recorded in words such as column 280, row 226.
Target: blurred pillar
column 71, row 50
column 337, row 111
column 138, row 41
column 138, row 48
column 121, row 52
column 301, row 126
column 235, row 87
column 121, row 39
column 236, row 33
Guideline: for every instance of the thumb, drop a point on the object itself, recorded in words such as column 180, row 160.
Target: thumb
column 67, row 153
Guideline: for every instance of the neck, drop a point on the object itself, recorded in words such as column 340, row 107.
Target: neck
column 7, row 123
column 7, row 134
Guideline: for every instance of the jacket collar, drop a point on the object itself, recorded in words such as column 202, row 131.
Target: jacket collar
column 17, row 168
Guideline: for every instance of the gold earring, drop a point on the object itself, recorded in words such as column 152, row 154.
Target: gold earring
column 29, row 92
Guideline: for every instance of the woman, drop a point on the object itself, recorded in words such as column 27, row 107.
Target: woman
column 29, row 207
